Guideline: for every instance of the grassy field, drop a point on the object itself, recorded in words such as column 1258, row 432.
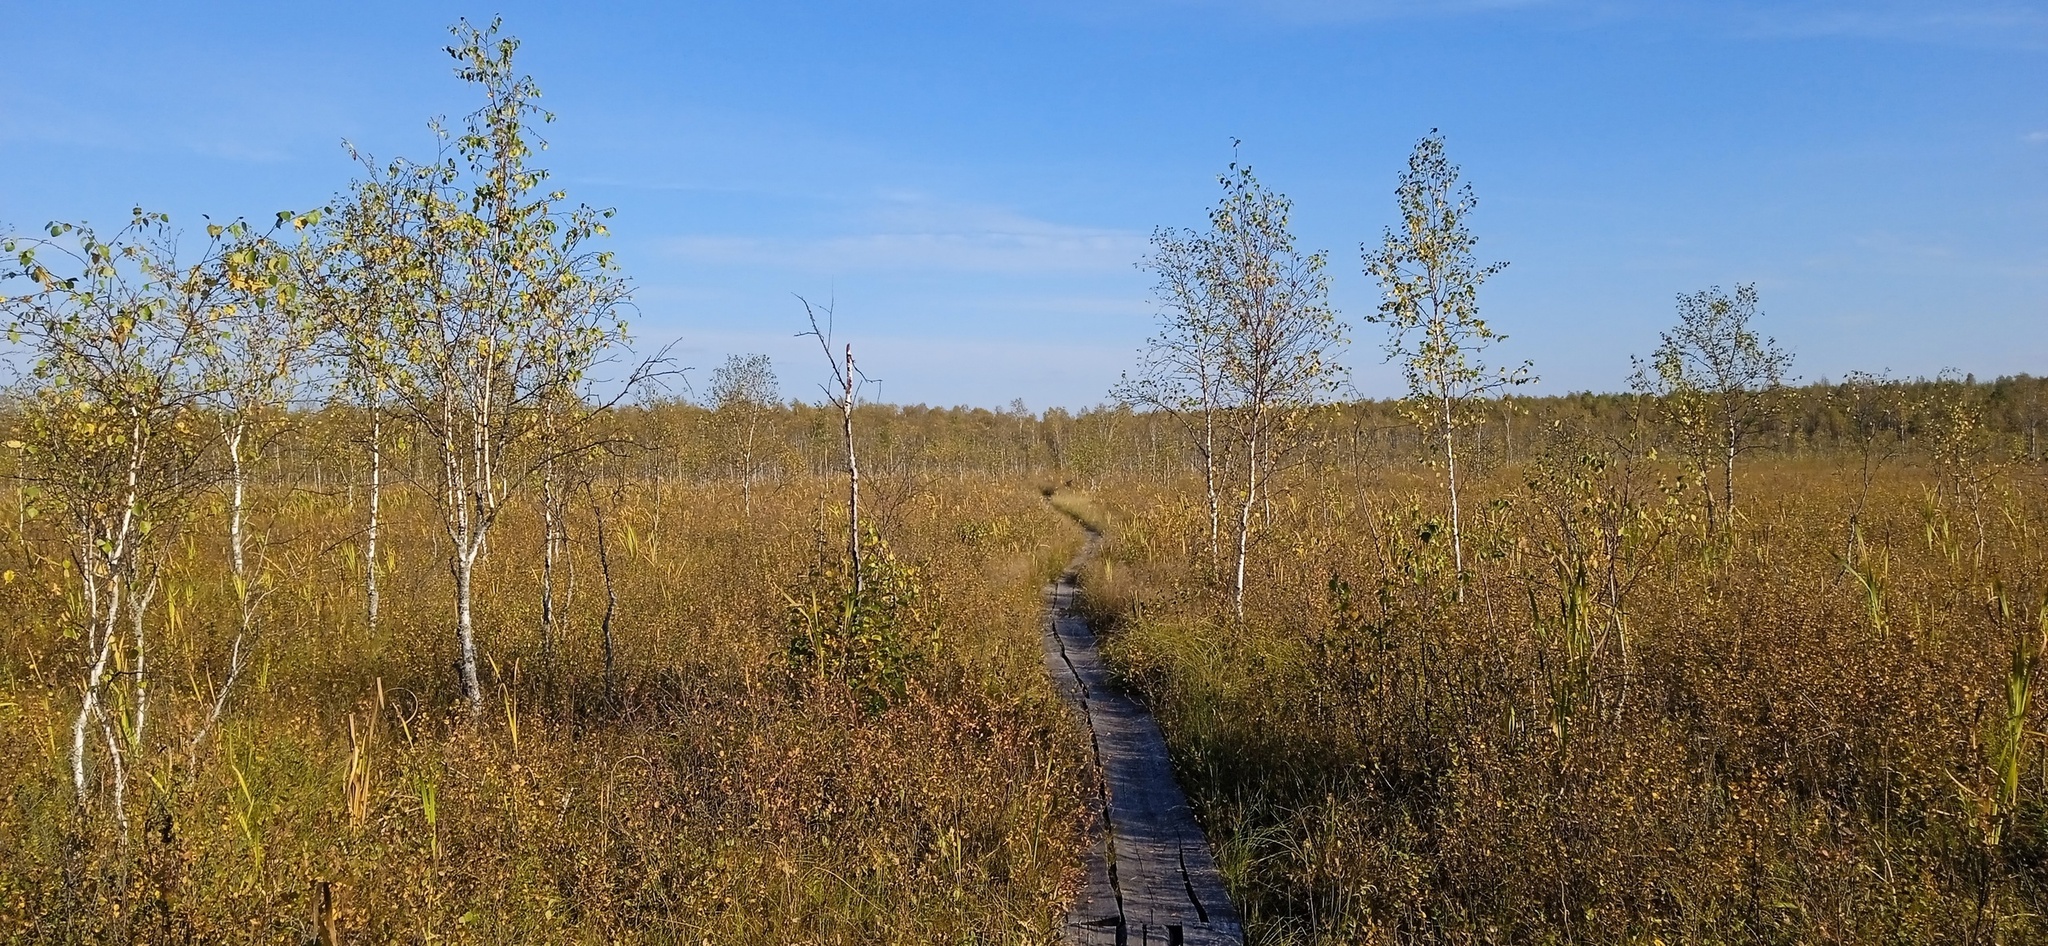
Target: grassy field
column 1818, row 727
column 1621, row 726
column 715, row 789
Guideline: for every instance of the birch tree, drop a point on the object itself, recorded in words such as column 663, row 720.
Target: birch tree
column 1718, row 382
column 256, row 342
column 1244, row 349
column 112, row 432
column 1429, row 282
column 367, row 273
column 743, row 390
column 1179, row 370
column 845, row 394
column 515, row 309
column 1279, row 336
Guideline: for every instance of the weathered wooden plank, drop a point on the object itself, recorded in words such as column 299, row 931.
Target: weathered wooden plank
column 1151, row 879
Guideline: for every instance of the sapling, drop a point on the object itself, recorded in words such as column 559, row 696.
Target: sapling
column 1429, row 282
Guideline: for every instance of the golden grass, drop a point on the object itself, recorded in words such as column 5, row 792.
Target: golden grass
column 1754, row 744
column 707, row 797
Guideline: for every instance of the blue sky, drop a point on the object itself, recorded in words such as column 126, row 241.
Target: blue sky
column 972, row 183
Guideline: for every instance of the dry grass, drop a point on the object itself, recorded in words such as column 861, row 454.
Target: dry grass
column 1790, row 735
column 1617, row 730
column 705, row 796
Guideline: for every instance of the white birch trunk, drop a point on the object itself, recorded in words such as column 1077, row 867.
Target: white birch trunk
column 852, row 477
column 1728, row 476
column 1244, row 521
column 237, row 494
column 1209, row 484
column 370, row 565
column 1451, row 476
column 465, row 631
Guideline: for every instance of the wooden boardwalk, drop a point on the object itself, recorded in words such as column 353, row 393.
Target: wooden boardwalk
column 1152, row 880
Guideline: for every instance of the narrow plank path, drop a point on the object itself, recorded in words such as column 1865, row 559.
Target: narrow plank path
column 1152, row 880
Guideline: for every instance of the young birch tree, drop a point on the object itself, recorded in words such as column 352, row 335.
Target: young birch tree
column 1429, row 281
column 1178, row 371
column 743, row 390
column 257, row 339
column 367, row 274
column 1719, row 383
column 516, row 308
column 1278, row 336
column 112, row 435
column 1244, row 348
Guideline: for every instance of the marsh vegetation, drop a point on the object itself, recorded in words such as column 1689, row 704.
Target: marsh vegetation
column 363, row 584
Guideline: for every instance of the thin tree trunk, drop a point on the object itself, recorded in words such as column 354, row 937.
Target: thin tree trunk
column 236, row 660
column 376, row 498
column 245, row 603
column 1209, row 484
column 547, row 581
column 747, row 457
column 120, row 766
column 1244, row 521
column 611, row 595
column 464, row 568
column 852, row 477
column 1707, row 490
column 1728, row 476
column 1451, row 476
column 86, row 708
column 550, row 519
column 140, row 611
column 98, row 644
column 237, row 487
column 464, row 492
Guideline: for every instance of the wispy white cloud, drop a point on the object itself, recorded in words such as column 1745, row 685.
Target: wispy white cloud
column 1971, row 21
column 1318, row 12
column 2035, row 137
column 910, row 234
column 43, row 121
column 1985, row 22
column 1898, row 246
column 1341, row 10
